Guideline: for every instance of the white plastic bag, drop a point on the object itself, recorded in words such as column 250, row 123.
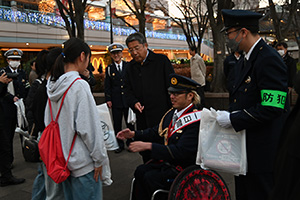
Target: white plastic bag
column 22, row 121
column 107, row 127
column 221, row 149
column 106, row 175
column 131, row 119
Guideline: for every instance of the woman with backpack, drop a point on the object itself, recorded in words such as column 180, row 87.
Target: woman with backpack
column 79, row 116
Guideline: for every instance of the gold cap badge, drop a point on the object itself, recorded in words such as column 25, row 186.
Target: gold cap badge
column 173, row 81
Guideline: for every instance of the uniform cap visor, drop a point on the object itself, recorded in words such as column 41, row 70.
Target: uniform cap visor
column 172, row 89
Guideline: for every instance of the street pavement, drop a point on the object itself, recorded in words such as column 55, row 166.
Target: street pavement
column 122, row 167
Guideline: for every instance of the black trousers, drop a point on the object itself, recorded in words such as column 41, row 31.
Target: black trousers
column 9, row 128
column 5, row 155
column 253, row 186
column 118, row 114
column 150, row 177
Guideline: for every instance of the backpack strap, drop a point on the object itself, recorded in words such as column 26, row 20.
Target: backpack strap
column 56, row 119
column 73, row 142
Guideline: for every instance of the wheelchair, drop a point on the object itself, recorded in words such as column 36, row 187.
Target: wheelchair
column 194, row 183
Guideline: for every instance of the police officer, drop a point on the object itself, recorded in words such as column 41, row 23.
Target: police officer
column 259, row 102
column 114, row 90
column 5, row 141
column 18, row 88
column 173, row 143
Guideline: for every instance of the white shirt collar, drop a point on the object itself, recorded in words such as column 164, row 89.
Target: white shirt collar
column 247, row 56
column 12, row 70
column 121, row 64
column 182, row 111
column 146, row 56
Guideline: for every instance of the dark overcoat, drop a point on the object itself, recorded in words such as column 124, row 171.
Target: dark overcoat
column 148, row 84
column 182, row 145
column 114, row 85
column 259, row 105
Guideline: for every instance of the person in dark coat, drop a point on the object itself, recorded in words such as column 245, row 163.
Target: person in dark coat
column 146, row 83
column 5, row 165
column 229, row 70
column 17, row 89
column 173, row 143
column 287, row 165
column 114, row 90
column 259, row 102
column 289, row 61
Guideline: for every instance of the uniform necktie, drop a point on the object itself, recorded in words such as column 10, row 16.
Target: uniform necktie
column 119, row 68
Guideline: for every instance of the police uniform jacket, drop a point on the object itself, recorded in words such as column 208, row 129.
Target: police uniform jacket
column 147, row 83
column 182, row 145
column 258, row 102
column 19, row 83
column 114, row 85
column 3, row 91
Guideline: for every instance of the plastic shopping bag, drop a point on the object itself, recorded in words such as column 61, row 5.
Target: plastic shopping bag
column 22, row 121
column 221, row 149
column 131, row 119
column 107, row 127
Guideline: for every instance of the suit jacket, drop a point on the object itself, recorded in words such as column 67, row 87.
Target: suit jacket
column 114, row 85
column 148, row 84
column 182, row 145
column 264, row 71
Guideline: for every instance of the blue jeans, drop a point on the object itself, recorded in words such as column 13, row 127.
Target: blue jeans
column 38, row 188
column 82, row 188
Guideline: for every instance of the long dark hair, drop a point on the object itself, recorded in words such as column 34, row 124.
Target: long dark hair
column 72, row 50
column 40, row 63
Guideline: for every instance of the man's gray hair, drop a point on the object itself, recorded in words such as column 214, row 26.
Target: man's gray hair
column 137, row 36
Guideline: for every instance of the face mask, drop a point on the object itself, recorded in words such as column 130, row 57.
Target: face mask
column 14, row 64
column 232, row 44
column 281, row 52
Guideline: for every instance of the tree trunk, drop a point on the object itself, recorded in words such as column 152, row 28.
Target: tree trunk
column 79, row 13
column 218, row 84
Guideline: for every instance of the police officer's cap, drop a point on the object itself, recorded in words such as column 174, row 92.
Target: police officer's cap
column 240, row 18
column 115, row 47
column 181, row 83
column 13, row 53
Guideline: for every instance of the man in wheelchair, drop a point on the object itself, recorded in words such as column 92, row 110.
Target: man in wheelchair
column 173, row 143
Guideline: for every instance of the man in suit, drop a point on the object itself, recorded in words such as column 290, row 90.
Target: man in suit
column 173, row 143
column 114, row 90
column 17, row 89
column 259, row 102
column 146, row 83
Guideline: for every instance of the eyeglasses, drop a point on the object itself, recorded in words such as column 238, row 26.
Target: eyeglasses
column 227, row 33
column 177, row 93
column 136, row 48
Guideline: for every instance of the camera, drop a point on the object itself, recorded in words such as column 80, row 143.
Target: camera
column 9, row 75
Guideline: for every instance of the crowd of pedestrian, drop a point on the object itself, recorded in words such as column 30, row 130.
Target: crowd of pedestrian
column 258, row 78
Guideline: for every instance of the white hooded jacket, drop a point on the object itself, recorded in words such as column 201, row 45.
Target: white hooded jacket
column 78, row 115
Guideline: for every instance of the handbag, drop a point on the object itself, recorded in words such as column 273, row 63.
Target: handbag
column 30, row 147
column 221, row 149
column 107, row 127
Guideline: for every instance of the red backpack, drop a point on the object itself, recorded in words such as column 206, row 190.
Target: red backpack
column 51, row 150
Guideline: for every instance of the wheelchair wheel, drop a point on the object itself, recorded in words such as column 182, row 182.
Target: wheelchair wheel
column 195, row 183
